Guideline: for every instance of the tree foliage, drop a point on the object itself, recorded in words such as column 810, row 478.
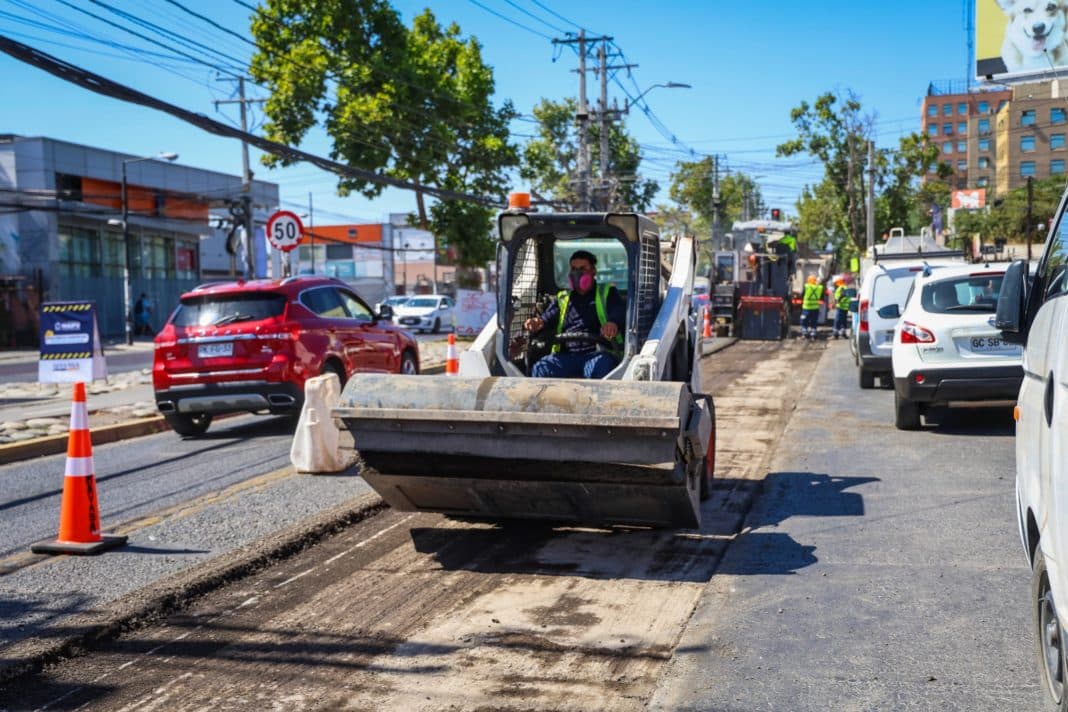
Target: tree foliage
column 691, row 187
column 1008, row 218
column 550, row 162
column 413, row 103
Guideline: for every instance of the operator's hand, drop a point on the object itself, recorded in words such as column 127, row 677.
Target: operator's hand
column 609, row 330
column 534, row 324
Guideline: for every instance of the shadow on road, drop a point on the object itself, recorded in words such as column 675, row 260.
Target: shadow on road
column 983, row 422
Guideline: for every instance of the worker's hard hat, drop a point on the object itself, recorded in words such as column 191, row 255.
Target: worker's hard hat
column 839, row 282
column 812, row 279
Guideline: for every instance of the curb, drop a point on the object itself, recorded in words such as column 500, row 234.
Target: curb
column 55, row 444
column 172, row 594
column 717, row 344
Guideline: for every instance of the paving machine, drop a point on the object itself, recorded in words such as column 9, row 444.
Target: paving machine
column 634, row 448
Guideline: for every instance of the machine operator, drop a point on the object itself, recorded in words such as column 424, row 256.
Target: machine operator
column 586, row 308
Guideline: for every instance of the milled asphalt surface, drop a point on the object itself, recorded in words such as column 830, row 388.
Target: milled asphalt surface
column 880, row 570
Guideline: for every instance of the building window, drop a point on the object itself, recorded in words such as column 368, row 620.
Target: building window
column 1027, row 143
column 962, row 127
column 982, row 182
column 962, row 165
column 962, row 182
column 984, row 107
column 1056, row 116
column 962, row 107
column 984, row 144
column 1027, row 118
column 1056, row 167
column 947, row 129
column 947, row 147
column 1027, row 168
column 185, row 260
column 984, row 162
column 962, row 146
column 1056, row 141
column 932, row 109
column 984, row 126
column 947, row 110
column 79, row 252
column 932, row 130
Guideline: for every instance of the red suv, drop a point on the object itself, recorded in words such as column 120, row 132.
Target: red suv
column 249, row 346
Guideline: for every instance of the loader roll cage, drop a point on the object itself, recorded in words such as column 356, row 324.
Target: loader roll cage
column 533, row 260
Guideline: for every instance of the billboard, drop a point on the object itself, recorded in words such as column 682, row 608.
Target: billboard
column 969, row 199
column 1020, row 38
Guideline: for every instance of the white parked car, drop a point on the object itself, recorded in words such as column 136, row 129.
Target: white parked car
column 946, row 347
column 392, row 302
column 1034, row 312
column 879, row 303
column 426, row 312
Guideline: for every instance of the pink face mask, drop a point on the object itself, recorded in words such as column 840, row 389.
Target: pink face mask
column 580, row 281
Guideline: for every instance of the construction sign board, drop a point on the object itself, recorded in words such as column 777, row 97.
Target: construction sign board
column 71, row 350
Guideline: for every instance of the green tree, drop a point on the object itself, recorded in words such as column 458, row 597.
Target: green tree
column 551, row 160
column 836, row 130
column 1007, row 217
column 820, row 218
column 410, row 103
column 691, row 187
column 903, row 201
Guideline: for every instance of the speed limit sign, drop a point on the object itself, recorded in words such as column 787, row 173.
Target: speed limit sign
column 284, row 230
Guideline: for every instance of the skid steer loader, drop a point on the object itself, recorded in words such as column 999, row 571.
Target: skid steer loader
column 635, row 448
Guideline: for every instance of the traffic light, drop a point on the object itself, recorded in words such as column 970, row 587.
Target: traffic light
column 776, row 214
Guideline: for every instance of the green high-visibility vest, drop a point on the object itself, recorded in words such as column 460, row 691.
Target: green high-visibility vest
column 841, row 298
column 812, row 296
column 790, row 241
column 563, row 299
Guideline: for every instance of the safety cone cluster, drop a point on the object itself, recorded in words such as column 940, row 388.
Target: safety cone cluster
column 708, row 325
column 79, row 514
column 452, row 362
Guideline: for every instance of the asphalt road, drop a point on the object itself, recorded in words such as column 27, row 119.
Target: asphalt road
column 878, row 570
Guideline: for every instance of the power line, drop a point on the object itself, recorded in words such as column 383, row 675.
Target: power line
column 509, row 20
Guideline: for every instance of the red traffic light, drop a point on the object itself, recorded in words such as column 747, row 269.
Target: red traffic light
column 776, row 214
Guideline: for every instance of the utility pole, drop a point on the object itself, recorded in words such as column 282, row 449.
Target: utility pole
column 1030, row 217
column 716, row 240
column 582, row 117
column 246, row 171
column 602, row 114
column 871, row 196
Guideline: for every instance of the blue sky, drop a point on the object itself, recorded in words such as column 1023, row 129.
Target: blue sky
column 748, row 63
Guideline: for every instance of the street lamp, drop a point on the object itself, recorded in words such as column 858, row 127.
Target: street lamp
column 127, row 291
column 668, row 85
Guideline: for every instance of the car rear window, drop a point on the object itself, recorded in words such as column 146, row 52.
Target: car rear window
column 422, row 303
column 972, row 293
column 891, row 289
column 219, row 309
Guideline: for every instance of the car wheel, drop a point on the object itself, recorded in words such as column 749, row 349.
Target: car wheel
column 867, row 379
column 408, row 366
column 188, row 425
column 337, row 370
column 906, row 413
column 1049, row 635
column 437, row 325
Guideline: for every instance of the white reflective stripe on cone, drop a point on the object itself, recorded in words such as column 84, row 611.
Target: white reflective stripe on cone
column 79, row 467
column 79, row 416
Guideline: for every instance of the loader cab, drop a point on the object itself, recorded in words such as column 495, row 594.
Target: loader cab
column 534, row 264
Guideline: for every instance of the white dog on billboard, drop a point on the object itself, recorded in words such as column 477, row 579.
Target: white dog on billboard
column 1035, row 37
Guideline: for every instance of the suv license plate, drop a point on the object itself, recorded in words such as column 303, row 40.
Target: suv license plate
column 992, row 345
column 214, row 350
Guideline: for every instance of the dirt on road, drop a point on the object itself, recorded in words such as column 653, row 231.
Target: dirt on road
column 421, row 612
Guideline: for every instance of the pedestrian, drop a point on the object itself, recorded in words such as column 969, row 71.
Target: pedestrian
column 143, row 316
column 810, row 307
column 841, row 302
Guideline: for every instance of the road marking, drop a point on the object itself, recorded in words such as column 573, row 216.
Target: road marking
column 302, row 574
column 366, row 541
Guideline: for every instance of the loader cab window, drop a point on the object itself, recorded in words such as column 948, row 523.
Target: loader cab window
column 611, row 260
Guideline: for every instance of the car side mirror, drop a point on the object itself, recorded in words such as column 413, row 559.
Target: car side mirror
column 890, row 311
column 385, row 312
column 1012, row 304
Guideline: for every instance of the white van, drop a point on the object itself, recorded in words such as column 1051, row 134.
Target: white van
column 881, row 299
column 1034, row 312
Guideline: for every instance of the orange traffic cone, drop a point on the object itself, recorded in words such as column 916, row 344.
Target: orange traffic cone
column 79, row 514
column 452, row 362
column 708, row 325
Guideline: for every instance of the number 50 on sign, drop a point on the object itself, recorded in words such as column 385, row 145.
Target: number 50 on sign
column 284, row 230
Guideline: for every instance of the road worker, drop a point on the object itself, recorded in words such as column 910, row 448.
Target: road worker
column 841, row 303
column 810, row 307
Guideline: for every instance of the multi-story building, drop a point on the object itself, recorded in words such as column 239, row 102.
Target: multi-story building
column 61, row 232
column 1031, row 131
column 960, row 120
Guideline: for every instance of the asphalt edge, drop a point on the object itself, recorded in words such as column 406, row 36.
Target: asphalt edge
column 155, row 601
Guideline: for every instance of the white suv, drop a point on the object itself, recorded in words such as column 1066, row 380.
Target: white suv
column 946, row 347
column 1034, row 312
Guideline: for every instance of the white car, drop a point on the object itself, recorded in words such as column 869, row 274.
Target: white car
column 392, row 302
column 1034, row 312
column 946, row 346
column 880, row 300
column 426, row 312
